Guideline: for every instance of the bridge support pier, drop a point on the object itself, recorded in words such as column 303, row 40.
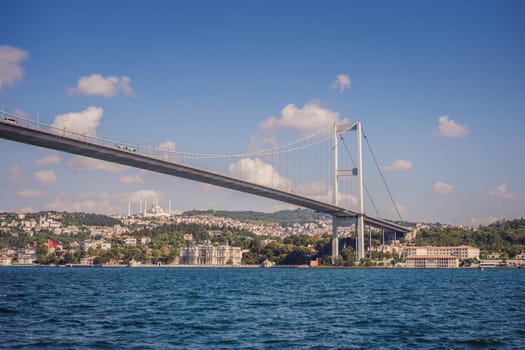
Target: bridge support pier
column 335, row 241
column 360, row 231
column 339, row 221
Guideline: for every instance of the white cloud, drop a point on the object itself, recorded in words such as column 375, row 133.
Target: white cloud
column 311, row 117
column 259, row 143
column 402, row 210
column 109, row 86
column 16, row 174
column 399, row 165
column 89, row 202
column 85, row 122
column 256, row 171
column 145, row 195
column 87, row 206
column 95, row 195
column 442, row 188
column 30, row 193
column 449, row 128
column 131, row 180
column 210, row 188
column 502, row 192
column 483, row 221
column 342, row 82
column 153, row 176
column 168, row 146
column 48, row 160
column 45, row 177
column 79, row 163
column 10, row 69
column 26, row 210
column 322, row 192
column 20, row 112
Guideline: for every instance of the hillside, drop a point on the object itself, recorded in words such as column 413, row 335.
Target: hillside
column 506, row 237
column 283, row 217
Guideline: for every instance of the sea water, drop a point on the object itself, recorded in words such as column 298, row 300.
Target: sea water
column 194, row 308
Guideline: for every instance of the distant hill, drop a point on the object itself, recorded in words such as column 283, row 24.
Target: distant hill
column 283, row 217
column 504, row 236
column 77, row 219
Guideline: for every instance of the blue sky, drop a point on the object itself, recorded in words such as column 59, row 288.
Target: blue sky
column 205, row 75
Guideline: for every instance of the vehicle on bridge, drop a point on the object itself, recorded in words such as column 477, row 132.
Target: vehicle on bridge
column 10, row 120
column 125, row 148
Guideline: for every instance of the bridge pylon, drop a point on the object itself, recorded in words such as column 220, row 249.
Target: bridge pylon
column 358, row 221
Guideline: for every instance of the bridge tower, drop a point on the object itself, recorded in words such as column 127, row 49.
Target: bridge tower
column 338, row 221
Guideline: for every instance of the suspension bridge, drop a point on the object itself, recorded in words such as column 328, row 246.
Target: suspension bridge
column 310, row 172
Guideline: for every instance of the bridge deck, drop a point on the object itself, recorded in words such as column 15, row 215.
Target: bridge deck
column 16, row 132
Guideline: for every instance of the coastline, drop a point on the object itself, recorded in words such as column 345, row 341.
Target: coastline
column 180, row 266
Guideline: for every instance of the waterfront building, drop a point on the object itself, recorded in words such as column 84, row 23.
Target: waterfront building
column 5, row 260
column 26, row 259
column 87, row 261
column 432, row 261
column 461, row 252
column 210, row 255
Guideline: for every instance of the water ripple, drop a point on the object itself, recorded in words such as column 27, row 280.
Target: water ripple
column 100, row 308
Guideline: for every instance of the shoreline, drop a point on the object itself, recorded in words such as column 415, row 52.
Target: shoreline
column 142, row 266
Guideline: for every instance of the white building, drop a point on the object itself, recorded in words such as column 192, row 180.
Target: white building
column 211, row 255
column 26, row 259
column 85, row 245
column 130, row 241
column 432, row 261
column 460, row 252
column 5, row 260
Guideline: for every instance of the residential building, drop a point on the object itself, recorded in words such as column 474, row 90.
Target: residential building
column 130, row 241
column 85, row 245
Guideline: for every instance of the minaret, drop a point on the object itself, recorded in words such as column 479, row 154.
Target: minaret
column 140, row 207
column 169, row 207
column 129, row 209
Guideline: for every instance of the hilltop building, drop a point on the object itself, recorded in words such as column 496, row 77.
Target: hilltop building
column 156, row 210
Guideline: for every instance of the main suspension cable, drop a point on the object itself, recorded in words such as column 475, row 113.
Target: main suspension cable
column 382, row 176
column 364, row 185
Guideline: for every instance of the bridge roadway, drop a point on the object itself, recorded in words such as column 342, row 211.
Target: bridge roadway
column 13, row 131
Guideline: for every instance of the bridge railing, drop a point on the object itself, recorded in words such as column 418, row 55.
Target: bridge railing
column 164, row 154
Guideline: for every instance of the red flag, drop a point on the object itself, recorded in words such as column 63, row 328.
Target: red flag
column 51, row 244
